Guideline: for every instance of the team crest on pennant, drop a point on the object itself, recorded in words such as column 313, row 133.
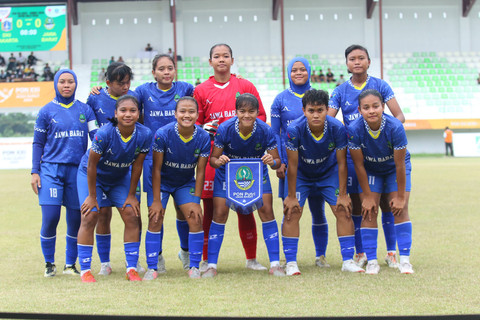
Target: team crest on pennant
column 244, row 185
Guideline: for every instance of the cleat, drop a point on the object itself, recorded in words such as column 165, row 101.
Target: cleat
column 292, row 269
column 105, row 269
column 277, row 271
column 161, row 264
column 351, row 266
column 140, row 269
column 184, row 257
column 210, row 273
column 405, row 268
column 132, row 275
column 361, row 260
column 88, row 277
column 321, row 262
column 254, row 265
column 71, row 270
column 372, row 267
column 151, row 274
column 50, row 270
column 194, row 273
column 203, row 266
column 391, row 260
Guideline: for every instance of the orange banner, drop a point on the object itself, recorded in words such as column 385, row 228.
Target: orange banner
column 442, row 123
column 26, row 94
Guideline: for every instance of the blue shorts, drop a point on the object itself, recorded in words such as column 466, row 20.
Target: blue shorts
column 108, row 194
column 181, row 195
column 352, row 181
column 386, row 183
column 59, row 185
column 220, row 187
column 326, row 187
column 281, row 188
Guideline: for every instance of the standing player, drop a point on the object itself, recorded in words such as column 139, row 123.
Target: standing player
column 118, row 78
column 345, row 97
column 216, row 100
column 158, row 101
column 286, row 108
column 378, row 146
column 243, row 137
column 177, row 149
column 105, row 170
column 59, row 141
column 317, row 158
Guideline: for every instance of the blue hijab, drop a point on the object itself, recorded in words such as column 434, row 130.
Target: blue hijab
column 58, row 96
column 299, row 89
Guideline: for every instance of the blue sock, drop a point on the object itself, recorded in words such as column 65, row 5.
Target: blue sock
column 48, row 231
column 73, row 224
column 389, row 231
column 319, row 225
column 160, row 248
column 404, row 237
column 290, row 248
column 357, row 222
column 215, row 239
column 131, row 253
column 270, row 235
column 347, row 247
column 195, row 244
column 182, row 230
column 152, row 243
column 369, row 240
column 85, row 256
column 103, row 246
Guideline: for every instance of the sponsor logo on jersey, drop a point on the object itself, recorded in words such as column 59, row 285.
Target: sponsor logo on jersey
column 302, row 148
column 244, row 178
column 101, row 111
column 285, row 109
column 150, row 99
column 110, row 151
column 348, row 103
column 53, row 121
column 208, row 101
column 82, row 118
column 169, row 151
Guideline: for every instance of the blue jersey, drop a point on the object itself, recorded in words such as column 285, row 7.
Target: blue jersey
column 286, row 108
column 378, row 148
column 316, row 156
column 236, row 146
column 158, row 106
column 63, row 131
column 117, row 153
column 180, row 156
column 345, row 97
column 103, row 105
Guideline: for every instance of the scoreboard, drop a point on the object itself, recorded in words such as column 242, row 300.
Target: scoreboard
column 33, row 28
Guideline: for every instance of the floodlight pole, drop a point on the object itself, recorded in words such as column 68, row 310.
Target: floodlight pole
column 173, row 18
column 282, row 23
column 70, row 8
column 381, row 36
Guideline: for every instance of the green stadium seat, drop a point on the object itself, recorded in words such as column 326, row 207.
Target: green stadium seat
column 95, row 61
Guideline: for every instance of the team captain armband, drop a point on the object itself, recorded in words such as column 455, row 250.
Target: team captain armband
column 92, row 125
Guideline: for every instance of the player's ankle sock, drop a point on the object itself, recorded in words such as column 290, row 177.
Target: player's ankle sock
column 71, row 252
column 207, row 221
column 347, row 246
column 152, row 243
column 85, row 256
column 320, row 238
column 270, row 235
column 369, row 240
column 48, row 247
column 195, row 245
column 182, row 230
column 404, row 237
column 131, row 253
column 290, row 248
column 215, row 240
column 103, row 246
column 357, row 222
column 248, row 234
column 388, row 223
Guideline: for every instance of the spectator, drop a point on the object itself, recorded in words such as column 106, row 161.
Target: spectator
column 12, row 63
column 2, row 61
column 112, row 60
column 47, row 73
column 340, row 80
column 21, row 59
column 120, row 59
column 32, row 60
column 330, row 76
column 3, row 76
column 448, row 138
column 102, row 75
column 31, row 75
column 313, row 77
column 148, row 47
column 321, row 76
column 197, row 82
column 170, row 52
column 478, row 79
column 19, row 73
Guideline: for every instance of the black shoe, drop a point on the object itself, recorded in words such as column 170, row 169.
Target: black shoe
column 50, row 270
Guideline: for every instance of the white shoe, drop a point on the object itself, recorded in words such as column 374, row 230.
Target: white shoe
column 351, row 266
column 161, row 264
column 372, row 267
column 151, row 274
column 105, row 269
column 210, row 273
column 203, row 266
column 391, row 260
column 292, row 269
column 361, row 260
column 184, row 257
column 405, row 268
column 321, row 262
column 277, row 271
column 140, row 269
column 254, row 265
column 194, row 273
